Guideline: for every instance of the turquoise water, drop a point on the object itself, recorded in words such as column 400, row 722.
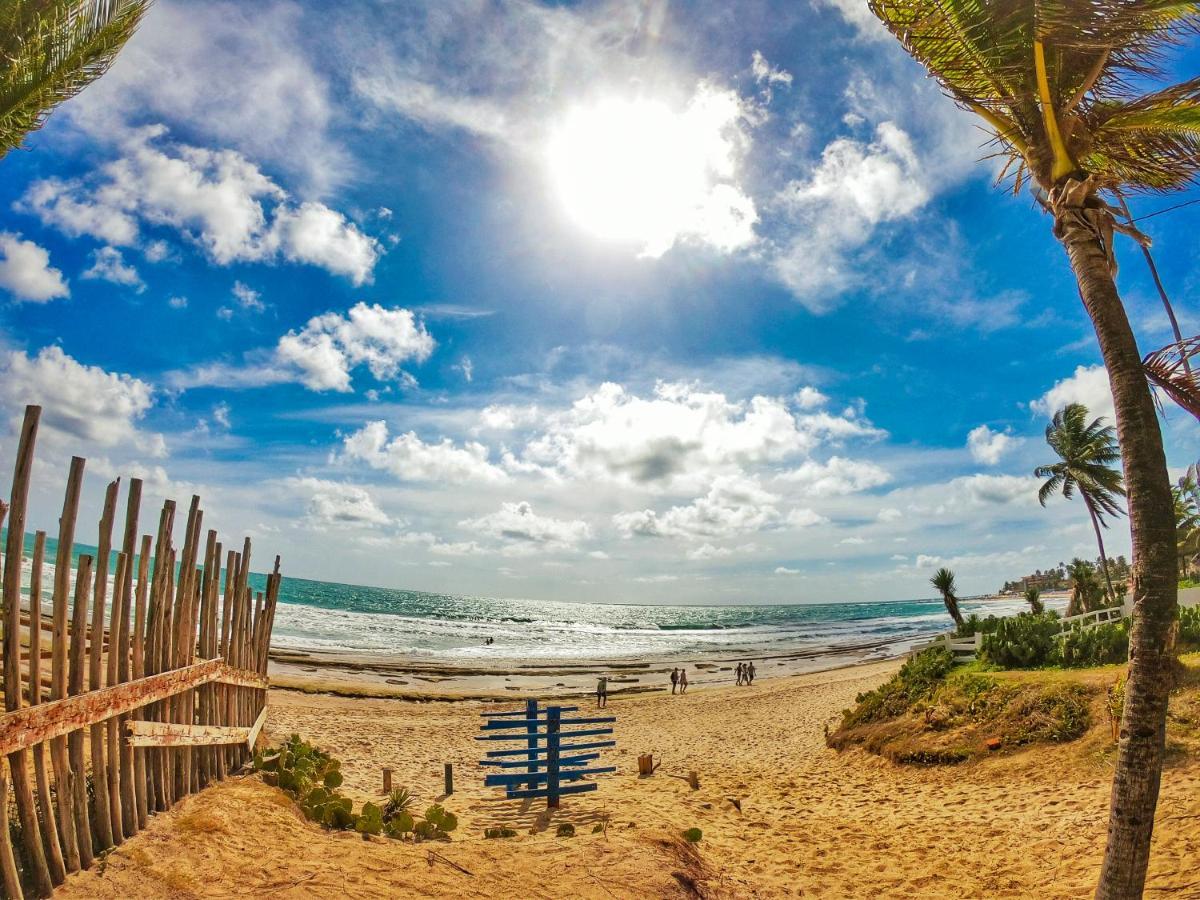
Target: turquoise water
column 320, row 615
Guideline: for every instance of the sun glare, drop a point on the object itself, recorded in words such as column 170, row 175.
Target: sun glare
column 638, row 171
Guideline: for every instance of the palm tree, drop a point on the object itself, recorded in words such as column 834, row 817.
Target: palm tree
column 50, row 50
column 1034, row 598
column 1061, row 85
column 1086, row 452
column 943, row 580
column 1186, row 495
column 1084, row 587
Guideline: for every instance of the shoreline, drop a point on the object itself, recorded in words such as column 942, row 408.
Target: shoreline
column 425, row 679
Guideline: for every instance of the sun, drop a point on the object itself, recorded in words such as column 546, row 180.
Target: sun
column 637, row 171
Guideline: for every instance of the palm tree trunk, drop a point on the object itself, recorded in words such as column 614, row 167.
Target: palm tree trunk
column 1087, row 501
column 952, row 608
column 1152, row 528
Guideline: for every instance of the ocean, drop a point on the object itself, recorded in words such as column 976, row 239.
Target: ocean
column 330, row 616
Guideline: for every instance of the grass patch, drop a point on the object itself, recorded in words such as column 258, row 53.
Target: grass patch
column 930, row 713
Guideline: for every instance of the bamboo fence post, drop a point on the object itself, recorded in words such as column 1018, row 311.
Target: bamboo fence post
column 83, row 827
column 18, row 760
column 205, row 693
column 112, row 737
column 58, row 662
column 181, row 638
column 54, row 854
column 225, row 692
column 102, row 820
column 138, row 669
column 8, row 862
column 214, row 637
column 155, row 625
column 166, row 662
column 126, row 773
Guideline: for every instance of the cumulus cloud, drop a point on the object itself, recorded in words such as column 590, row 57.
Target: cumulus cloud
column 1087, row 385
column 408, row 457
column 987, row 446
column 836, row 477
column 247, row 297
column 217, row 199
column 519, row 526
column 733, row 505
column 80, row 403
column 323, row 353
column 25, row 270
column 109, row 265
column 337, row 503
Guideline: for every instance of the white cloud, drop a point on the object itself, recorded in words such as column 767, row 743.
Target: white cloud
column 408, row 457
column 733, row 505
column 836, row 477
column 337, row 503
column 803, row 517
column 1088, row 385
column 79, row 402
column 889, row 514
column 518, row 525
column 177, row 302
column 322, row 354
column 809, row 397
column 987, row 446
column 247, row 297
column 853, row 541
column 25, row 270
column 784, row 570
column 858, row 14
column 217, row 199
column 109, row 265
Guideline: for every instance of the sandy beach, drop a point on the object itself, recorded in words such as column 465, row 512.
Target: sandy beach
column 781, row 814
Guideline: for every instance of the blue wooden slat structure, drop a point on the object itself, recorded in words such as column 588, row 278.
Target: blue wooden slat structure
column 547, row 761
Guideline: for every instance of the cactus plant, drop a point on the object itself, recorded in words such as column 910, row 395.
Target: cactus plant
column 693, row 835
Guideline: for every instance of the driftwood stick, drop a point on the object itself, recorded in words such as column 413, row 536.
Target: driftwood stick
column 18, row 761
column 8, row 862
column 127, row 768
column 63, row 794
column 54, row 854
column 83, row 827
column 102, row 820
column 137, row 670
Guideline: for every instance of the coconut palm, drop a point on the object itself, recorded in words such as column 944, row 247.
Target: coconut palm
column 50, row 50
column 1085, row 589
column 1086, row 453
column 1063, row 86
column 943, row 580
column 1034, row 598
column 1186, row 495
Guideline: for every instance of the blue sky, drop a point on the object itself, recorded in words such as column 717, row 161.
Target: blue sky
column 629, row 301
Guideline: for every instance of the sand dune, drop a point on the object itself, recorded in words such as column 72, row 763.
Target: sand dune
column 811, row 823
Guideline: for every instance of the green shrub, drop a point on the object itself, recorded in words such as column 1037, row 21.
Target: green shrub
column 916, row 680
column 1025, row 641
column 693, row 835
column 566, row 829
column 502, row 831
column 973, row 623
column 1101, row 645
column 1189, row 627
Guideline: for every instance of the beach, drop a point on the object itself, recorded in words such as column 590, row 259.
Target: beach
column 781, row 814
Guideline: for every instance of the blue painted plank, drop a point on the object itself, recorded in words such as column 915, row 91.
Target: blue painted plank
column 540, row 751
column 587, row 732
column 534, row 777
column 525, row 723
column 521, row 712
column 541, row 792
column 516, row 764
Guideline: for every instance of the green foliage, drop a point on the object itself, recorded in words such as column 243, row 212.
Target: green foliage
column 1025, row 641
column 566, row 829
column 693, row 835
column 916, row 680
column 1034, row 598
column 974, row 623
column 1099, row 646
column 313, row 778
column 500, row 832
column 1189, row 627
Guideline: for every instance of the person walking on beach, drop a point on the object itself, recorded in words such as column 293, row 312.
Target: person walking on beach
column 741, row 673
column 683, row 681
column 750, row 672
column 602, row 692
column 674, row 679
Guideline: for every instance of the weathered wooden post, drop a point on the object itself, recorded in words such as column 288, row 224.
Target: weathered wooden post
column 387, row 782
column 449, row 778
column 553, row 719
column 531, row 713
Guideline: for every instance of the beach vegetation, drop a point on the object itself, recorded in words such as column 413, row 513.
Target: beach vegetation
column 976, row 624
column 1189, row 628
column 565, row 829
column 1025, row 641
column 917, row 679
column 500, row 831
column 53, row 49
column 693, row 835
column 1034, row 598
column 943, row 580
column 1087, row 456
column 1076, row 97
column 312, row 778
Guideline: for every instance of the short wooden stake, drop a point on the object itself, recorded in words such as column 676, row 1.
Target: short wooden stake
column 387, row 782
column 694, row 780
column 449, row 779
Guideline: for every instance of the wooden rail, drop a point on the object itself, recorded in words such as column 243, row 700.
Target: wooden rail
column 969, row 647
column 149, row 694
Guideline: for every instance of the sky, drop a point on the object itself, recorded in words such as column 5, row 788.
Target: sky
column 628, row 301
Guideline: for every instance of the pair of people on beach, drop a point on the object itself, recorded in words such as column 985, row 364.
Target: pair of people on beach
column 745, row 673
column 679, row 680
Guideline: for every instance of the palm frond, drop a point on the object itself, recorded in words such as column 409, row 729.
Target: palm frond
column 1169, row 369
column 61, row 49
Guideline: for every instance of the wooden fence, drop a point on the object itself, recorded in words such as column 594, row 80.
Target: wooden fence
column 969, row 647
column 162, row 692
